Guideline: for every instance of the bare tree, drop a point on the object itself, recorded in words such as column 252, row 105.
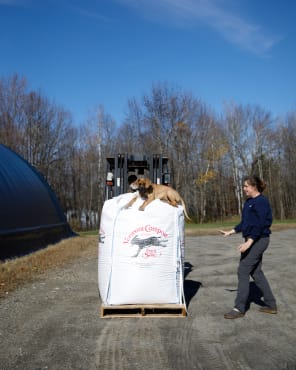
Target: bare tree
column 180, row 126
column 238, row 131
column 45, row 130
column 12, row 100
column 96, row 139
column 261, row 127
column 208, row 155
column 283, row 177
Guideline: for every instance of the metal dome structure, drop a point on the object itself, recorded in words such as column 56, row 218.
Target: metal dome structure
column 30, row 214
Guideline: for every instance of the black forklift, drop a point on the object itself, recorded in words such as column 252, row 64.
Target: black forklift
column 123, row 167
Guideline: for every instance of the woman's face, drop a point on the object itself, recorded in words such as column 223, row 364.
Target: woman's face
column 250, row 190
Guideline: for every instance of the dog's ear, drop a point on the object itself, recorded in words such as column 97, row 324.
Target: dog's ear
column 147, row 183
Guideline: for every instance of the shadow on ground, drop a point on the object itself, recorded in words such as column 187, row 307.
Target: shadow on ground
column 191, row 287
column 255, row 295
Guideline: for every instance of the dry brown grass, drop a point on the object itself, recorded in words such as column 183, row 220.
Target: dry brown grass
column 16, row 272
column 19, row 271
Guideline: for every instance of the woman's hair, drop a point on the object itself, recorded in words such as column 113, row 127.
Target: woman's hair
column 256, row 181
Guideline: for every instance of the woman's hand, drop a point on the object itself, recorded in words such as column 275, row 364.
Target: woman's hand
column 227, row 233
column 246, row 245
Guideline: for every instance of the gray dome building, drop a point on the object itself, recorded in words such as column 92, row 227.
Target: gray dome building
column 30, row 214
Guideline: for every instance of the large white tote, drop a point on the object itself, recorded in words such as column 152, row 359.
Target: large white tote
column 141, row 253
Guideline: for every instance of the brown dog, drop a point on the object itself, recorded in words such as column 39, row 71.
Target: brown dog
column 150, row 191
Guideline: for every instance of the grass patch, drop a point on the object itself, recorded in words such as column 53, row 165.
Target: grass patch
column 88, row 233
column 213, row 228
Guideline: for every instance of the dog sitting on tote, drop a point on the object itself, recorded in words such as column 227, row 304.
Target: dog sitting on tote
column 149, row 191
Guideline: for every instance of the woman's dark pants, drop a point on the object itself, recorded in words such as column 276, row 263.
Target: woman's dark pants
column 250, row 265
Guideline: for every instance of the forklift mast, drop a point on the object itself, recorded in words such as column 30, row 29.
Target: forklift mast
column 121, row 166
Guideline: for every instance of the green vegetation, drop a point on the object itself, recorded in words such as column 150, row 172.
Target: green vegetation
column 212, row 227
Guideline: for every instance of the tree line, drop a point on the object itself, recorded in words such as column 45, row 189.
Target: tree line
column 209, row 153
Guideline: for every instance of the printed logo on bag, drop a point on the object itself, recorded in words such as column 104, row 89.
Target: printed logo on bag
column 148, row 239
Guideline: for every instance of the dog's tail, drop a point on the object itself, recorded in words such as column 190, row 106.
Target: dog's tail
column 185, row 211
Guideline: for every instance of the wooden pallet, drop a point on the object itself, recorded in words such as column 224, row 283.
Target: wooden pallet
column 143, row 310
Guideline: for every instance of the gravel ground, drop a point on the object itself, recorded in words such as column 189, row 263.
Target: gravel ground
column 54, row 323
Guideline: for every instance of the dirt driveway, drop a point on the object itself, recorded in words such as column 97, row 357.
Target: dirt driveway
column 54, row 323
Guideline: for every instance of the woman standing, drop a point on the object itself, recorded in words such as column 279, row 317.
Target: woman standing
column 255, row 228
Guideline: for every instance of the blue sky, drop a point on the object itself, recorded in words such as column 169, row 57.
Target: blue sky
column 85, row 53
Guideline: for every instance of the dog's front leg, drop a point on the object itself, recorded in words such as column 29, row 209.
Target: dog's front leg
column 145, row 204
column 130, row 203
